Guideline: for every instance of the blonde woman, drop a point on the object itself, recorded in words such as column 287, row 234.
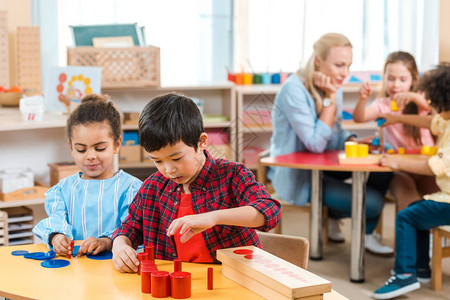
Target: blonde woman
column 307, row 117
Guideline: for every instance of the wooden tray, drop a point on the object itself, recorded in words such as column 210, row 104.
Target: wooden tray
column 35, row 192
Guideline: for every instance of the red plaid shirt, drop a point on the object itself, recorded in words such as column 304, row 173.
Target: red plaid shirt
column 221, row 184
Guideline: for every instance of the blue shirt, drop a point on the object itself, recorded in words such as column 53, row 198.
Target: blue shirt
column 80, row 208
column 296, row 127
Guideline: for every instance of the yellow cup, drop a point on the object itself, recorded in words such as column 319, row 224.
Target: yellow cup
column 425, row 150
column 433, row 151
column 394, row 106
column 247, row 78
column 351, row 149
column 401, row 150
column 390, row 151
column 363, row 150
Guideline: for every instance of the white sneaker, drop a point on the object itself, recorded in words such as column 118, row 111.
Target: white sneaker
column 335, row 234
column 373, row 245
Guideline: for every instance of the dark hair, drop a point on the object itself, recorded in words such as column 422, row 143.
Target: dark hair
column 168, row 119
column 96, row 108
column 436, row 85
column 410, row 108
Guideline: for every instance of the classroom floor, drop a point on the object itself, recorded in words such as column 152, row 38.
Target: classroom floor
column 335, row 265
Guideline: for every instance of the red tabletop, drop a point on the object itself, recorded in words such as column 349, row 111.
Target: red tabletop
column 328, row 161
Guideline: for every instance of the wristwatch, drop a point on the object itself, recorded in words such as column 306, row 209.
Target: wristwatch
column 326, row 102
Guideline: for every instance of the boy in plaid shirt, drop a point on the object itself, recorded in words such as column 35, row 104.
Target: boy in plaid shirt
column 194, row 204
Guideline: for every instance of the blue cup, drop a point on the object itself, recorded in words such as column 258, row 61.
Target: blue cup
column 276, row 78
column 265, row 78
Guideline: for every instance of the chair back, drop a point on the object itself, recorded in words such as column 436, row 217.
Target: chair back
column 293, row 249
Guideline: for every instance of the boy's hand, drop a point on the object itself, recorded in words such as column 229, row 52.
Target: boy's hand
column 124, row 256
column 364, row 91
column 391, row 161
column 93, row 245
column 390, row 119
column 61, row 244
column 191, row 225
column 323, row 82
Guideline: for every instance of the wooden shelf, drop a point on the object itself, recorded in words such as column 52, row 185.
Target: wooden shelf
column 137, row 165
column 171, row 88
column 11, row 119
column 37, row 201
column 352, row 125
column 257, row 129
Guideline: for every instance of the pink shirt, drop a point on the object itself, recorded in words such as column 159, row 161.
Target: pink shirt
column 394, row 134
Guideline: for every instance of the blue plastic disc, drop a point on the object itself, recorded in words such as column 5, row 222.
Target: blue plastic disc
column 101, row 256
column 55, row 263
column 19, row 252
column 34, row 254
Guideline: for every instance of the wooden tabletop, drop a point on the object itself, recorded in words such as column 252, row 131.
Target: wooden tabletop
column 22, row 278
column 327, row 161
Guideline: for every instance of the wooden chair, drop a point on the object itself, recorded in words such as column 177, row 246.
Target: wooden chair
column 286, row 206
column 439, row 252
column 293, row 249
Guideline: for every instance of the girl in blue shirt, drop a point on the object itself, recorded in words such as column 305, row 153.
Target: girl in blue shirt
column 90, row 205
column 307, row 117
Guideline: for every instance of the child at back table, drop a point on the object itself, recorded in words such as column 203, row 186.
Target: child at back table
column 400, row 76
column 412, row 224
column 194, row 204
column 88, row 206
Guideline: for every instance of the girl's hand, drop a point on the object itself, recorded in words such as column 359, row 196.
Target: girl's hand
column 323, row 82
column 364, row 91
column 61, row 244
column 191, row 225
column 94, row 246
column 418, row 98
column 390, row 119
column 391, row 161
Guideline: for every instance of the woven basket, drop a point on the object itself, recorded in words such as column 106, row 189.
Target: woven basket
column 121, row 67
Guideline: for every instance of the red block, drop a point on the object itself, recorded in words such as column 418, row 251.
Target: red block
column 177, row 265
column 141, row 256
column 146, row 283
column 210, row 278
column 150, row 250
column 160, row 284
column 180, row 285
column 72, row 243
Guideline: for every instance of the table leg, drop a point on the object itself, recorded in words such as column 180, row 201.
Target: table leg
column 315, row 237
column 358, row 227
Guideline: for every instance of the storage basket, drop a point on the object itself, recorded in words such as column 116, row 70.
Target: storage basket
column 121, row 67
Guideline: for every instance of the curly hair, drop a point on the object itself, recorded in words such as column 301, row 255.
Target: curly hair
column 436, row 85
column 96, row 108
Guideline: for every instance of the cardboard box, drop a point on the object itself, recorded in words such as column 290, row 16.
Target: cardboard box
column 61, row 170
column 130, row 154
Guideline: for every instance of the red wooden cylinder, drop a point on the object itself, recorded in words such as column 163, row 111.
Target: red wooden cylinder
column 177, row 265
column 210, row 278
column 160, row 284
column 180, row 285
column 141, row 256
column 150, row 250
column 146, row 263
column 146, row 282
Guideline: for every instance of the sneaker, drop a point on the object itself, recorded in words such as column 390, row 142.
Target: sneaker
column 395, row 287
column 373, row 245
column 422, row 275
column 335, row 234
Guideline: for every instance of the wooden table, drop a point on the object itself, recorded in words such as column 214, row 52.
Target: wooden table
column 22, row 278
column 328, row 161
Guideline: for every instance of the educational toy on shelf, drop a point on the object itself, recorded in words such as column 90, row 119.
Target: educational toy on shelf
column 20, row 225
